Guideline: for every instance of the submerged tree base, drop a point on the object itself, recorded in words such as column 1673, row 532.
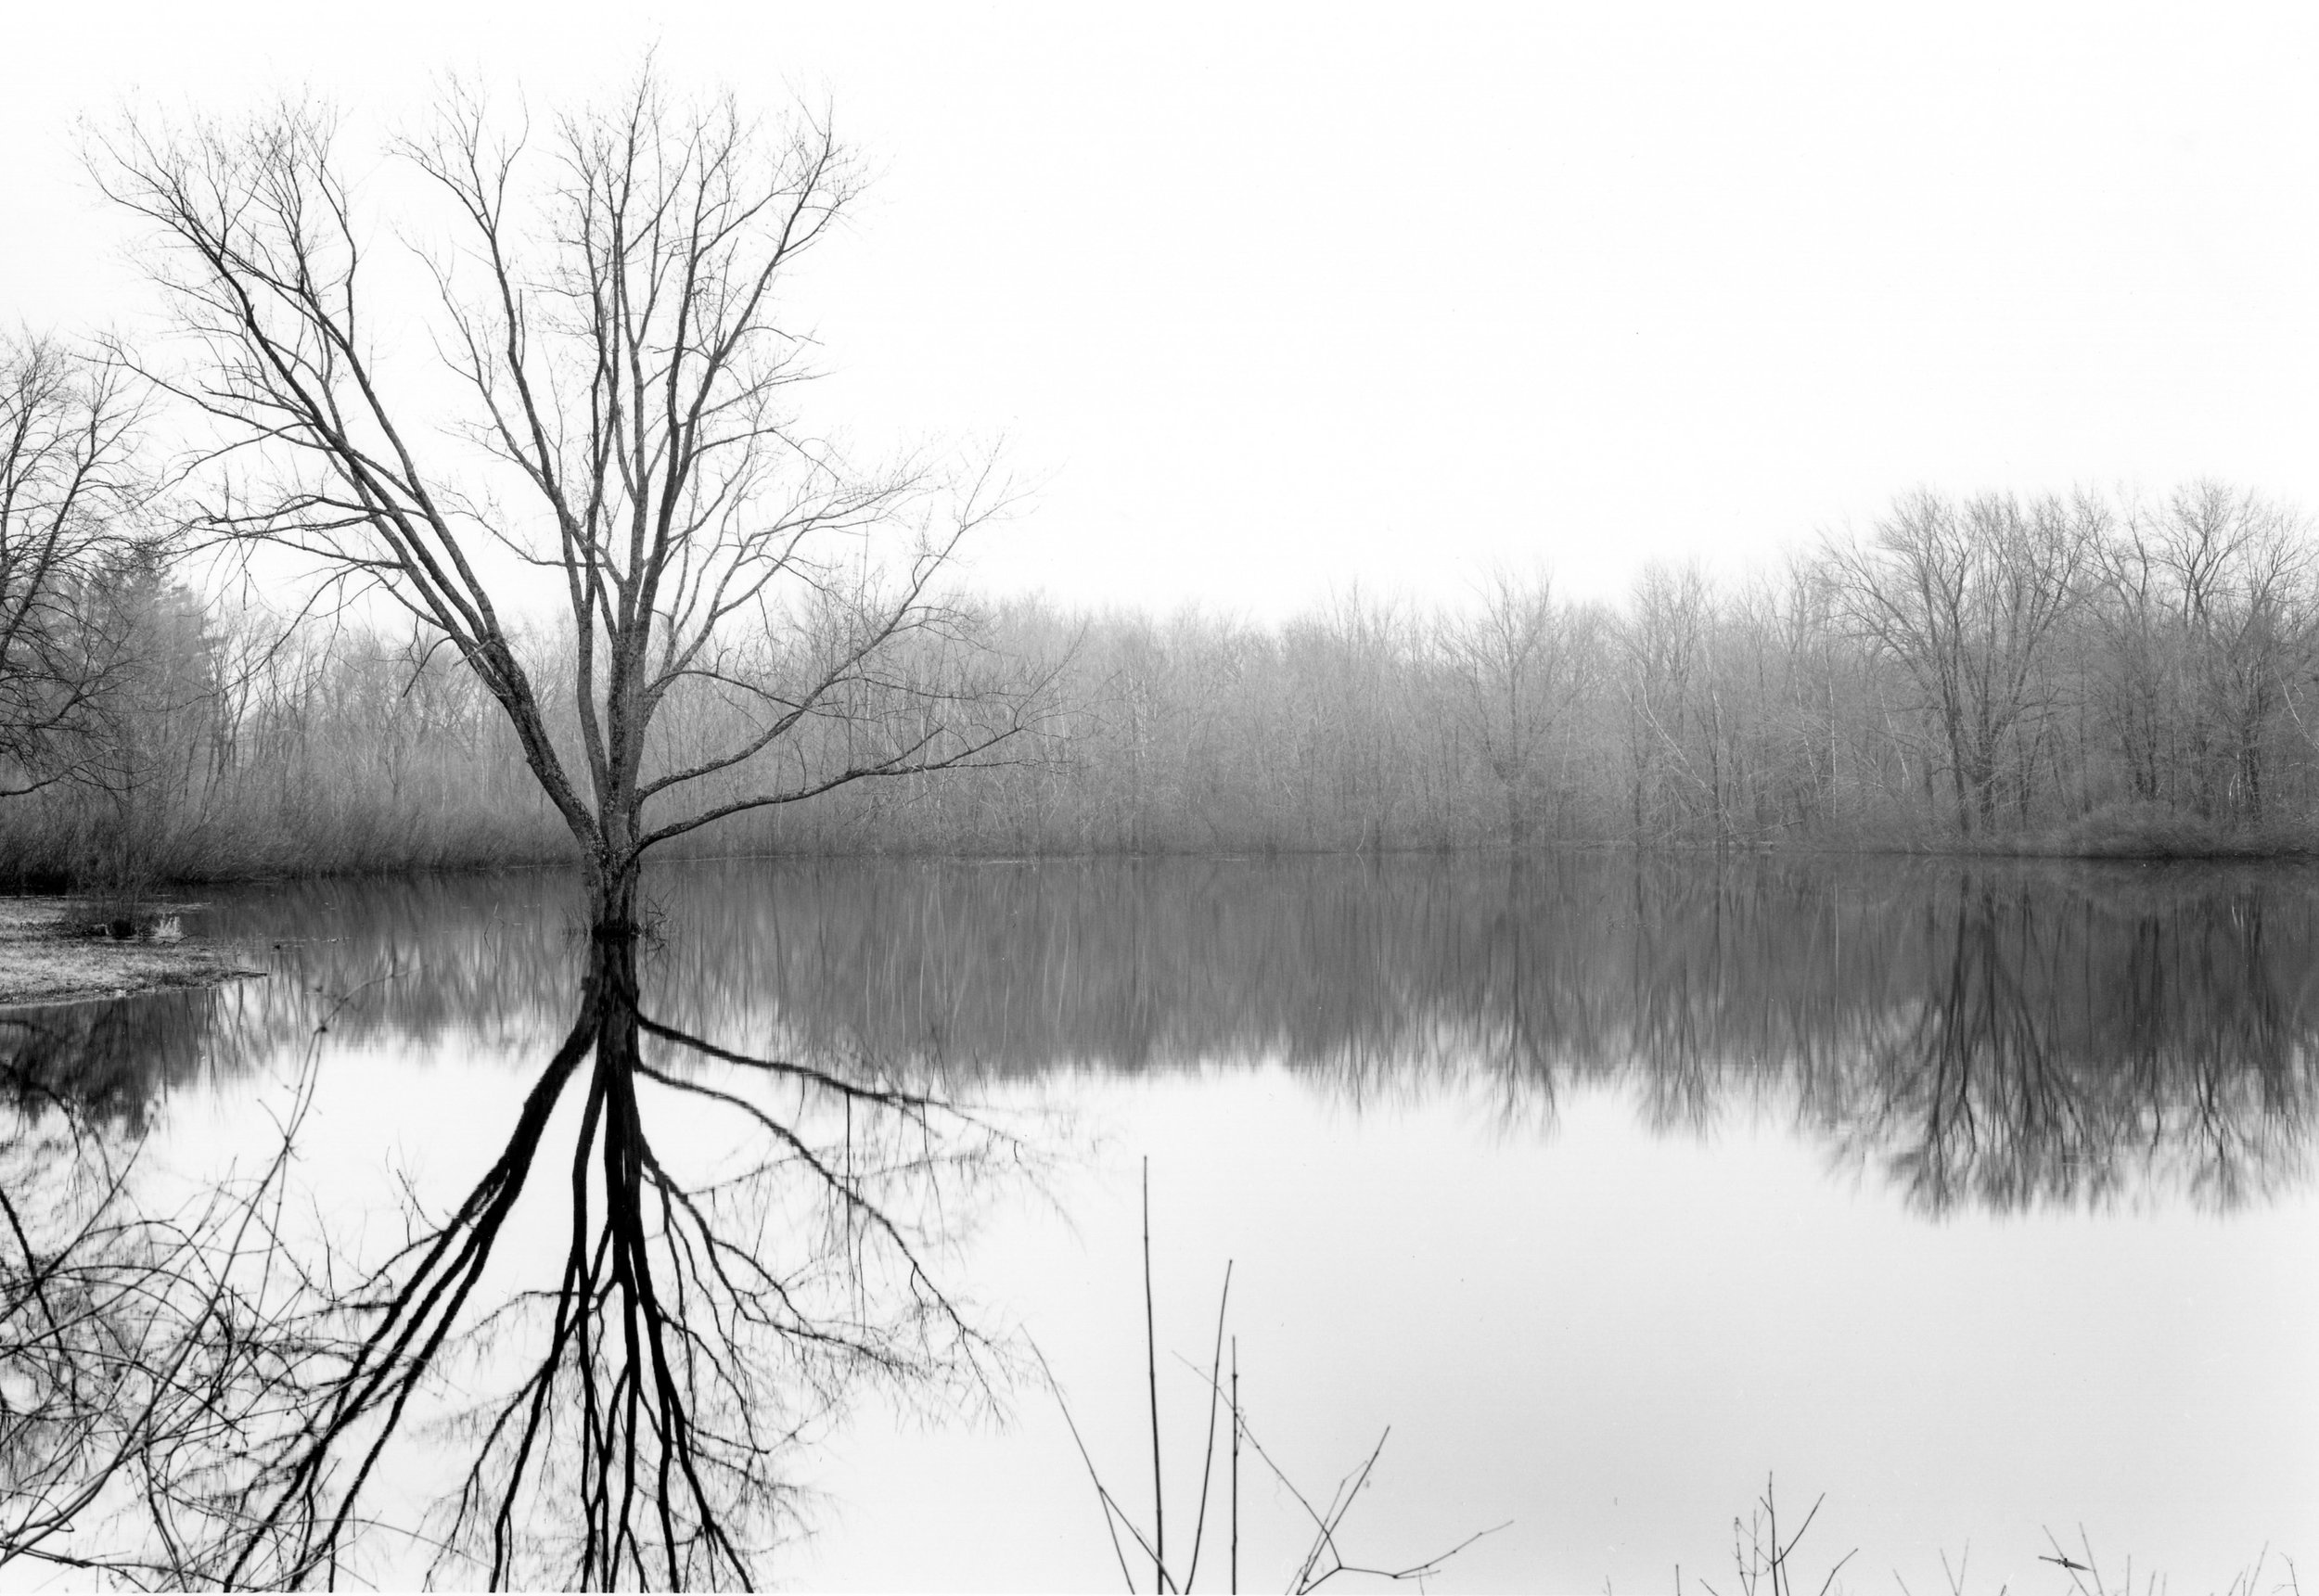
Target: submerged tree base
column 62, row 949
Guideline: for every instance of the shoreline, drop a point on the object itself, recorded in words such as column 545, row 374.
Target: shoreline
column 2274, row 848
column 48, row 956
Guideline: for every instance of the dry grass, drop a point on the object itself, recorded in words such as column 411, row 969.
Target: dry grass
column 51, row 952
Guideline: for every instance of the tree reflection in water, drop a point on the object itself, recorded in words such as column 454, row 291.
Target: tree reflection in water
column 622, row 1417
column 1986, row 1036
column 142, row 1343
column 199, row 1389
column 2047, row 1063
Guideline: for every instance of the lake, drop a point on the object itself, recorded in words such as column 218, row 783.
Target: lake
column 1970, row 1200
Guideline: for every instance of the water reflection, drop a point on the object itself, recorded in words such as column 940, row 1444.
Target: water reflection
column 105, row 1062
column 705, row 1218
column 596, row 1358
column 136, row 1347
column 1991, row 1035
column 2061, row 1051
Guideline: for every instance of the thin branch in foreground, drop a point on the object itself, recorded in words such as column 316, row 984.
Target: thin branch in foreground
column 1323, row 1559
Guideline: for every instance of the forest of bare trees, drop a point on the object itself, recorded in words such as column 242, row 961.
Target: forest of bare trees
column 561, row 571
column 2080, row 675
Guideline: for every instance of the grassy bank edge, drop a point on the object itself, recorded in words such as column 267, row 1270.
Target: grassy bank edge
column 2145, row 833
column 64, row 950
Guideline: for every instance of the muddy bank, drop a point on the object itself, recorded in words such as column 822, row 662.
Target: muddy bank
column 61, row 949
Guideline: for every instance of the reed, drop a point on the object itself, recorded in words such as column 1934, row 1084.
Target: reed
column 1323, row 1558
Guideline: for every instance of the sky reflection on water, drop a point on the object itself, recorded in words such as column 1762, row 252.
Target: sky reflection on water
column 1976, row 1196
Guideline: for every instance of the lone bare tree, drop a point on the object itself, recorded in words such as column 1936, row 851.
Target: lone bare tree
column 618, row 416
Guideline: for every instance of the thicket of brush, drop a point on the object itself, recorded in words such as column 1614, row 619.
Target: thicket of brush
column 2069, row 677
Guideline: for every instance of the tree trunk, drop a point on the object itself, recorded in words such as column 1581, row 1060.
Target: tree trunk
column 614, row 866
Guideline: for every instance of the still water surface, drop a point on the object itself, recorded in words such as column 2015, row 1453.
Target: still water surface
column 1977, row 1198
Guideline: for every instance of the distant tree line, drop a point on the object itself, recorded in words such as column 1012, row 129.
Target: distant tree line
column 564, row 571
column 2079, row 673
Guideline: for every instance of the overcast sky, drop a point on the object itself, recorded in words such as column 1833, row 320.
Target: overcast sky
column 1275, row 299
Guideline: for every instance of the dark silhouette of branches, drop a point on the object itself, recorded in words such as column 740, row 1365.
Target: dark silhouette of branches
column 72, row 502
column 146, row 1345
column 628, row 1421
column 754, row 618
column 1323, row 1558
column 625, row 1418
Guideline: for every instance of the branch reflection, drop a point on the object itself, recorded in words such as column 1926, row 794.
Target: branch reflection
column 1990, row 1035
column 713, row 1214
column 683, row 1259
column 2058, row 1056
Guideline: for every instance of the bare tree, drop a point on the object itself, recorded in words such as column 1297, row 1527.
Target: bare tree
column 70, row 501
column 1665, row 645
column 2207, row 633
column 622, row 372
column 1966, row 599
column 1519, row 659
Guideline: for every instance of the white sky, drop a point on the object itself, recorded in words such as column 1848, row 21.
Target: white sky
column 1275, row 300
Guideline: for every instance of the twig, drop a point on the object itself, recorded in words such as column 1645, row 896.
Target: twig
column 1208, row 1454
column 1151, row 1372
column 1111, row 1514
